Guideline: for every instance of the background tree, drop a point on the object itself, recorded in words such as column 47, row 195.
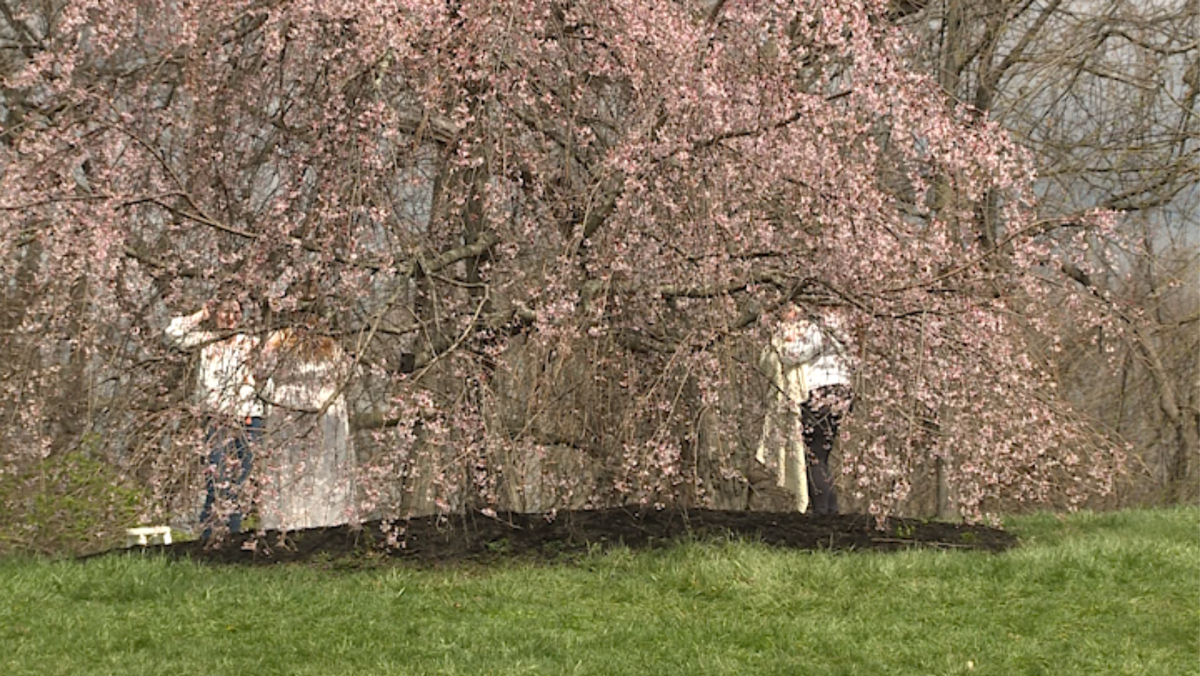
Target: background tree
column 1104, row 94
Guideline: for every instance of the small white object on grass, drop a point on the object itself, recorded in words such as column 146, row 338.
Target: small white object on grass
column 145, row 535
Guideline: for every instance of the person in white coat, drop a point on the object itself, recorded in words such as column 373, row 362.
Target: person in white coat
column 228, row 395
column 782, row 443
column 810, row 370
column 308, row 474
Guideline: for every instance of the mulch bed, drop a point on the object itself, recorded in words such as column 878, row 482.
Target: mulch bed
column 476, row 537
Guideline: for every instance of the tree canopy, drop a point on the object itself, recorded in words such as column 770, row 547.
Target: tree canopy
column 551, row 231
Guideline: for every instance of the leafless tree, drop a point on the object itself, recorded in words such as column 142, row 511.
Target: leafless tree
column 1104, row 94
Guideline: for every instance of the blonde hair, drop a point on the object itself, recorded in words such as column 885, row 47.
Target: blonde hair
column 305, row 345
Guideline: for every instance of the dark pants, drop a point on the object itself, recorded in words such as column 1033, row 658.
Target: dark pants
column 820, row 416
column 231, row 453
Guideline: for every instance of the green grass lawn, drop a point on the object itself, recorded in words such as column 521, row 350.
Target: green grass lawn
column 1087, row 594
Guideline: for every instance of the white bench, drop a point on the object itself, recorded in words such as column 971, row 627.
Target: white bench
column 146, row 535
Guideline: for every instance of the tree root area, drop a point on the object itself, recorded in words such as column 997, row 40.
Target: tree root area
column 477, row 537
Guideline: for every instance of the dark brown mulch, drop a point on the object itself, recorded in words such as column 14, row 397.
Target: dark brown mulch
column 476, row 537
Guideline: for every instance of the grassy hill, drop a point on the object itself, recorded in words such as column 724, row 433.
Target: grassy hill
column 1084, row 594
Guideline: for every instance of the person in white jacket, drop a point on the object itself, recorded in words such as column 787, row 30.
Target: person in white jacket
column 809, row 367
column 228, row 395
column 829, row 396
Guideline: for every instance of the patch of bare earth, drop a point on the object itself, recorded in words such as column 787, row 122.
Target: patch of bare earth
column 477, row 537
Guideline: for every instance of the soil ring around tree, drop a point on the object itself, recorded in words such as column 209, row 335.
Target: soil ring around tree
column 481, row 538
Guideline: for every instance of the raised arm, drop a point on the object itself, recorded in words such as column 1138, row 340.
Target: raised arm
column 182, row 331
column 810, row 343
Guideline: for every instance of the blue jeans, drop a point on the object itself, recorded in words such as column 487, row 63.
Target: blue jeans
column 229, row 441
